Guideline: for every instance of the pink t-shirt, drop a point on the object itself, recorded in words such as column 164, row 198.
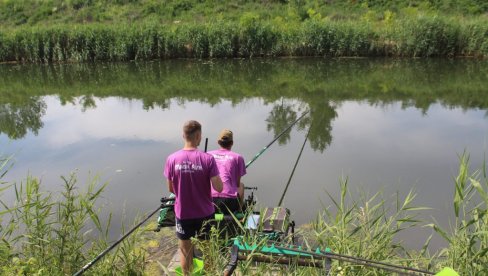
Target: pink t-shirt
column 231, row 166
column 190, row 171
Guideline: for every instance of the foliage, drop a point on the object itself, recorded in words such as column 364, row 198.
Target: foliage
column 33, row 12
column 250, row 38
column 367, row 227
column 101, row 30
column 467, row 250
column 50, row 235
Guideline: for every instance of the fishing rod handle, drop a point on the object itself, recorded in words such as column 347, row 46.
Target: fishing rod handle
column 166, row 199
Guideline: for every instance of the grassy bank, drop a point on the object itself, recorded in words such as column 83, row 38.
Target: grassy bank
column 250, row 37
column 119, row 30
column 44, row 233
column 48, row 12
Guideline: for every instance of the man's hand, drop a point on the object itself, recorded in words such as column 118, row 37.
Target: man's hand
column 170, row 186
column 217, row 183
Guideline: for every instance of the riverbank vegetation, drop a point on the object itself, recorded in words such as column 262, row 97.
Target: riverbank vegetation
column 47, row 234
column 60, row 31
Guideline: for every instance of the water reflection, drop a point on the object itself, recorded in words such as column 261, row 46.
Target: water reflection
column 319, row 85
column 17, row 118
column 280, row 117
column 383, row 123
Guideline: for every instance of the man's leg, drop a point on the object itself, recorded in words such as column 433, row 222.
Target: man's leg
column 186, row 256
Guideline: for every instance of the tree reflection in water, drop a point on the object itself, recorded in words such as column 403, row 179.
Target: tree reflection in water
column 291, row 86
column 16, row 119
column 280, row 117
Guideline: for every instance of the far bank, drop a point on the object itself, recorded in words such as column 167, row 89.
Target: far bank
column 422, row 36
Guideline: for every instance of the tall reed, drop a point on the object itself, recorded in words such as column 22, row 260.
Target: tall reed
column 467, row 238
column 5, row 246
column 47, row 234
column 366, row 228
column 250, row 37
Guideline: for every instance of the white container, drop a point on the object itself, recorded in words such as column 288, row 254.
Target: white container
column 252, row 222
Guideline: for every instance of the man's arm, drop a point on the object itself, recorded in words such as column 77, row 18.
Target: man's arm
column 240, row 189
column 217, row 183
column 170, row 186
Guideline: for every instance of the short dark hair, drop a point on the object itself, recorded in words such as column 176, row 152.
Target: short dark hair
column 190, row 128
column 225, row 143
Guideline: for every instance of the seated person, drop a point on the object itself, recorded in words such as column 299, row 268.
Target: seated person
column 231, row 168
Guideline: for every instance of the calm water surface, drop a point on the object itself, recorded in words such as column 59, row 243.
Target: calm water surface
column 386, row 125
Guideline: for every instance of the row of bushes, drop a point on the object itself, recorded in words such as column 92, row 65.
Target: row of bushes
column 423, row 37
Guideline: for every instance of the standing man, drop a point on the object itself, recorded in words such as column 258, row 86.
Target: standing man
column 190, row 173
column 231, row 168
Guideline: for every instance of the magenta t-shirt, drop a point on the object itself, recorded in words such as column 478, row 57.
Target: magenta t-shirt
column 231, row 166
column 190, row 171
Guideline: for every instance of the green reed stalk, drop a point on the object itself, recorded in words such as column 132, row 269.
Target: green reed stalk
column 48, row 234
column 5, row 245
column 366, row 228
column 467, row 238
column 422, row 36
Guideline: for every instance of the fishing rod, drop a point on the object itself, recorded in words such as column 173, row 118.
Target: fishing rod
column 274, row 252
column 276, row 138
column 91, row 263
column 283, row 251
column 361, row 261
column 295, row 166
column 163, row 200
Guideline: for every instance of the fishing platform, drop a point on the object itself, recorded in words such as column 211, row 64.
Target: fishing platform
column 268, row 236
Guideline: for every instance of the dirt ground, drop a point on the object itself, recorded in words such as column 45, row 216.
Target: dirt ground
column 160, row 248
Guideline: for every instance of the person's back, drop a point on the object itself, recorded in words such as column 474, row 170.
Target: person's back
column 189, row 174
column 231, row 168
column 191, row 170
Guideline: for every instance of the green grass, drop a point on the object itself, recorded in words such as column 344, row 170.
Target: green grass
column 47, row 12
column 251, row 37
column 53, row 31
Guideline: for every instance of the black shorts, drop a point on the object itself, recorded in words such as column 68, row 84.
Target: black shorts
column 188, row 228
column 224, row 204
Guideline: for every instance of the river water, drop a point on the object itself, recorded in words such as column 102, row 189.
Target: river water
column 387, row 125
